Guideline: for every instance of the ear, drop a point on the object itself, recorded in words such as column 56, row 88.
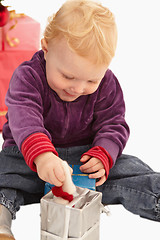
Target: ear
column 44, row 45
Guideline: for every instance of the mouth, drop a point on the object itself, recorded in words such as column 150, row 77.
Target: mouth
column 70, row 95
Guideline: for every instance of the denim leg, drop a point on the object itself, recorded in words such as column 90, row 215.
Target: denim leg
column 131, row 183
column 134, row 184
column 19, row 185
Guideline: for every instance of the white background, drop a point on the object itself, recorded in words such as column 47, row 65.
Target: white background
column 137, row 66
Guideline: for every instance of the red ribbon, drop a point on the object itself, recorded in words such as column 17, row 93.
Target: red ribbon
column 58, row 192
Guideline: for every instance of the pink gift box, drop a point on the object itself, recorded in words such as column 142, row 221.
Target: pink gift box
column 9, row 61
column 26, row 30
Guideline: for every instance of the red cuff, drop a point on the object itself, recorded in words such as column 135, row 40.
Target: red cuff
column 34, row 145
column 103, row 155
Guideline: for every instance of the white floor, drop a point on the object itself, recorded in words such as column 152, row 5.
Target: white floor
column 121, row 224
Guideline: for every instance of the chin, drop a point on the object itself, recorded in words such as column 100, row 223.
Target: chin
column 69, row 99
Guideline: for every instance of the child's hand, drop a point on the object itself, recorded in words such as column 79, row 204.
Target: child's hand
column 93, row 165
column 49, row 168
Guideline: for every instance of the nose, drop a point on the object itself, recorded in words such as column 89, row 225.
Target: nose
column 78, row 88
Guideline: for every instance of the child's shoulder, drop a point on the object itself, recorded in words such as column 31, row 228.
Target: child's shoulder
column 30, row 74
column 33, row 69
column 36, row 63
column 109, row 88
column 109, row 80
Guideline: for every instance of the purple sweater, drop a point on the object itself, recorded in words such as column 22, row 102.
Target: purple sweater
column 33, row 107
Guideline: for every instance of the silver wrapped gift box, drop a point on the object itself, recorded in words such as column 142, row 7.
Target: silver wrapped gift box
column 79, row 220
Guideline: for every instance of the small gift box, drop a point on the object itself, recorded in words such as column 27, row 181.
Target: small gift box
column 20, row 33
column 79, row 220
column 79, row 179
column 19, row 40
column 9, row 61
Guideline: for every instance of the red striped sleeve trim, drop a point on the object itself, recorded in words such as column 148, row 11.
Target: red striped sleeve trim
column 34, row 145
column 103, row 155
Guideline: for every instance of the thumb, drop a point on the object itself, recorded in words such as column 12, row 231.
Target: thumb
column 71, row 170
column 85, row 158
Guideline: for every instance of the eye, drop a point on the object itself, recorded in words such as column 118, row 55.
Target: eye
column 93, row 82
column 67, row 77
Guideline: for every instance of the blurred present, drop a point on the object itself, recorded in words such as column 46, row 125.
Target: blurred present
column 19, row 40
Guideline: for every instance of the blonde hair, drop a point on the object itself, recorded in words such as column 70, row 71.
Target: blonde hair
column 88, row 27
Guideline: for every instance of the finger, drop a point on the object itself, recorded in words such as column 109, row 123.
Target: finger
column 101, row 181
column 94, row 168
column 59, row 173
column 98, row 174
column 85, row 158
column 53, row 180
column 92, row 162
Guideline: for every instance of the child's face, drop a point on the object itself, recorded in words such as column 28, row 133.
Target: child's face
column 68, row 74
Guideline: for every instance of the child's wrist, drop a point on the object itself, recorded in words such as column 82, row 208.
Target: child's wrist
column 35, row 145
column 41, row 157
column 103, row 155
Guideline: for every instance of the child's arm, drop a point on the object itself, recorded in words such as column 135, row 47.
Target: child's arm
column 109, row 125
column 24, row 99
column 110, row 129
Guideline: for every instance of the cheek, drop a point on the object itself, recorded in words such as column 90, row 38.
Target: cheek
column 56, row 83
column 54, row 80
column 91, row 89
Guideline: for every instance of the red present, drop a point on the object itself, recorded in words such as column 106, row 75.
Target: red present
column 19, row 40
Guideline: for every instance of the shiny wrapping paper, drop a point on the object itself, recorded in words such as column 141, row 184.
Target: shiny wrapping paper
column 79, row 220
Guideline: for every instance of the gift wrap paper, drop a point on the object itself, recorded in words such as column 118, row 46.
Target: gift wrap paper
column 25, row 29
column 77, row 220
column 27, row 32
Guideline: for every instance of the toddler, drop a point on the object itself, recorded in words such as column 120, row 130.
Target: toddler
column 66, row 104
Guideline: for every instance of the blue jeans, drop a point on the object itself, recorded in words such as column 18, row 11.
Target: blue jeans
column 131, row 182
